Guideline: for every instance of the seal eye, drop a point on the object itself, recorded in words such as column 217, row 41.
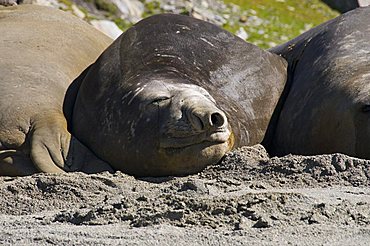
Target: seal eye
column 365, row 108
column 160, row 101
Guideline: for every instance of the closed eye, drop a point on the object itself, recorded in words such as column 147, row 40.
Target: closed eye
column 365, row 108
column 160, row 100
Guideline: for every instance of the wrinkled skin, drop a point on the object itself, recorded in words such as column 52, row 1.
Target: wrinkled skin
column 173, row 94
column 42, row 51
column 327, row 107
column 173, row 125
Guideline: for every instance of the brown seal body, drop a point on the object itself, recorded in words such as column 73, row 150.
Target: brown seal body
column 328, row 106
column 174, row 94
column 42, row 51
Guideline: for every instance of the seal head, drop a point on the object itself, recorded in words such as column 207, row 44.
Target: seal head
column 166, row 128
column 173, row 94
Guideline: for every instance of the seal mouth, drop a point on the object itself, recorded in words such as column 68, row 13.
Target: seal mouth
column 218, row 136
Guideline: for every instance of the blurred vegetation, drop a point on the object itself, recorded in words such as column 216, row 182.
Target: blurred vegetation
column 265, row 23
column 105, row 6
column 272, row 22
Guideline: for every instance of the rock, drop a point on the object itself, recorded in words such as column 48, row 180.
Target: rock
column 8, row 2
column 363, row 3
column 107, row 27
column 169, row 8
column 50, row 3
column 77, row 12
column 241, row 33
column 243, row 224
column 196, row 185
column 255, row 21
column 131, row 10
column 207, row 15
column 262, row 223
column 243, row 19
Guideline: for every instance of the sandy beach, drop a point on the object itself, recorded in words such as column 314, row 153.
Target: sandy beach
column 247, row 199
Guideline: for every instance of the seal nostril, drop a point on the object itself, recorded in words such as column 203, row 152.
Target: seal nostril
column 217, row 120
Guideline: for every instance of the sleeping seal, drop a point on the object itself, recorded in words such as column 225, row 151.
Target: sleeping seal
column 327, row 109
column 42, row 51
column 173, row 94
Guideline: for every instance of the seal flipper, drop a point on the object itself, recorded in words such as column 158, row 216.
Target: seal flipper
column 49, row 141
column 55, row 150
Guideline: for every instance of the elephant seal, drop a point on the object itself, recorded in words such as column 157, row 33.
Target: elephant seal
column 328, row 105
column 173, row 94
column 42, row 51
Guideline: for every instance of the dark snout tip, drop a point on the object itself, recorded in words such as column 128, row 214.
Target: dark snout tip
column 217, row 119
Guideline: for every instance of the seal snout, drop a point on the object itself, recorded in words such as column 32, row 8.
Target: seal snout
column 207, row 118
